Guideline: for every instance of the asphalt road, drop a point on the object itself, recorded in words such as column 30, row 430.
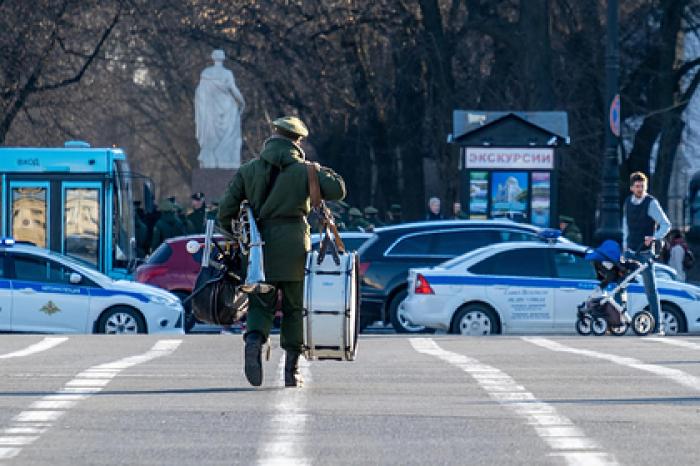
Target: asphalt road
column 152, row 400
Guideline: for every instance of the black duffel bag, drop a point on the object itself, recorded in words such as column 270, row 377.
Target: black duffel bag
column 215, row 299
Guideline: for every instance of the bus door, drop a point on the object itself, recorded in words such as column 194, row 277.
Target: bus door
column 28, row 216
column 82, row 230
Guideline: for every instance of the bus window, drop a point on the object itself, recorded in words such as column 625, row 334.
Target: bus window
column 123, row 236
column 82, row 223
column 29, row 215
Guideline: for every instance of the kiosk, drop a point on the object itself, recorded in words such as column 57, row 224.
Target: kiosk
column 508, row 164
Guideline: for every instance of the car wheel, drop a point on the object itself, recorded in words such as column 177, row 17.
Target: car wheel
column 599, row 326
column 121, row 320
column 190, row 319
column 672, row 319
column 475, row 320
column 643, row 323
column 583, row 326
column 619, row 330
column 398, row 316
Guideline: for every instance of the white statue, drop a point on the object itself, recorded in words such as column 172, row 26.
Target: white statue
column 218, row 108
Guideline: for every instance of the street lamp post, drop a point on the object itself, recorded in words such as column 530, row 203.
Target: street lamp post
column 609, row 221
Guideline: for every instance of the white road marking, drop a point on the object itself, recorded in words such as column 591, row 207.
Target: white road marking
column 43, row 345
column 286, row 428
column 28, row 425
column 674, row 342
column 563, row 437
column 676, row 375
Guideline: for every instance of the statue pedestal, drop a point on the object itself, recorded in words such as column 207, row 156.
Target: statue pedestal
column 212, row 182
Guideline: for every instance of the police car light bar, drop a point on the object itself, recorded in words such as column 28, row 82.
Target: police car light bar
column 550, row 234
column 7, row 242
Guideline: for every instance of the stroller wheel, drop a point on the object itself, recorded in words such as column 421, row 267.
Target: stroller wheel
column 643, row 323
column 619, row 330
column 599, row 326
column 583, row 325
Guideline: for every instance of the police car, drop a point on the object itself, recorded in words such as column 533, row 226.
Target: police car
column 529, row 287
column 43, row 291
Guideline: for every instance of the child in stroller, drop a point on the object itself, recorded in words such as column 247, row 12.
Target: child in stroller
column 606, row 308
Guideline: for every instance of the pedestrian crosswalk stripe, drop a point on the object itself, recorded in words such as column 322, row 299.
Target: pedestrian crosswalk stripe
column 563, row 437
column 28, row 425
column 43, row 345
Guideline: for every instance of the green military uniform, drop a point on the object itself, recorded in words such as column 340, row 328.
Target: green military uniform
column 281, row 219
column 394, row 215
column 355, row 220
column 371, row 215
column 196, row 219
column 571, row 231
column 167, row 226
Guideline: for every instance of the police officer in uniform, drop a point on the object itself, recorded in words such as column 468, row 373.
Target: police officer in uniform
column 276, row 186
column 195, row 220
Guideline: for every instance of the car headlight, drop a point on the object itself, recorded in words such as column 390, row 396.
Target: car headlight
column 155, row 299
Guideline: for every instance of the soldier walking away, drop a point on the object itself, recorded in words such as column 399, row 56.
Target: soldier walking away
column 434, row 209
column 196, row 219
column 168, row 225
column 643, row 222
column 276, row 186
column 569, row 229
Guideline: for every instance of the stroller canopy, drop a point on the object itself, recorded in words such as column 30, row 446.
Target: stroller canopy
column 608, row 251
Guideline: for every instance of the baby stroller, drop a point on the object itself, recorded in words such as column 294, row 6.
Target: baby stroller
column 606, row 308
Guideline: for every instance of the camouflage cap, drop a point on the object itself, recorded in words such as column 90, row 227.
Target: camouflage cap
column 355, row 212
column 292, row 125
column 369, row 210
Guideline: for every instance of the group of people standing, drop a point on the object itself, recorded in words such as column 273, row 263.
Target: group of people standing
column 168, row 221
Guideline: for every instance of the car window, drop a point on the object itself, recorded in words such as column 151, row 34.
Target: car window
column 510, row 235
column 517, row 263
column 417, row 245
column 38, row 269
column 160, row 255
column 572, row 265
column 458, row 242
column 353, row 244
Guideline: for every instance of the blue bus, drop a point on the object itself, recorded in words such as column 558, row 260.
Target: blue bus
column 75, row 200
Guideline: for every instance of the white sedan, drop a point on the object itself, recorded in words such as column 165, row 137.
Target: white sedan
column 43, row 291
column 529, row 287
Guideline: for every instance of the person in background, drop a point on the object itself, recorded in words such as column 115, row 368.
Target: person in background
column 458, row 213
column 643, row 222
column 569, row 229
column 677, row 250
column 393, row 215
column 372, row 216
column 355, row 220
column 434, row 209
column 196, row 218
column 168, row 225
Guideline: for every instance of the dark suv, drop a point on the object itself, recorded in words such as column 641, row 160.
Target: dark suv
column 386, row 257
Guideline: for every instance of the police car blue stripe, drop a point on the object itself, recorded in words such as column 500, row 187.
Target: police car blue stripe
column 102, row 293
column 5, row 284
column 539, row 283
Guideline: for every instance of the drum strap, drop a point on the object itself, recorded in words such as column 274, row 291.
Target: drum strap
column 327, row 225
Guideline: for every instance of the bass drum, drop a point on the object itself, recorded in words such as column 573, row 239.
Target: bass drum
column 331, row 307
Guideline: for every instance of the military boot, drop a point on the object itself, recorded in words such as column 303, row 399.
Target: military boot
column 292, row 376
column 253, row 358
